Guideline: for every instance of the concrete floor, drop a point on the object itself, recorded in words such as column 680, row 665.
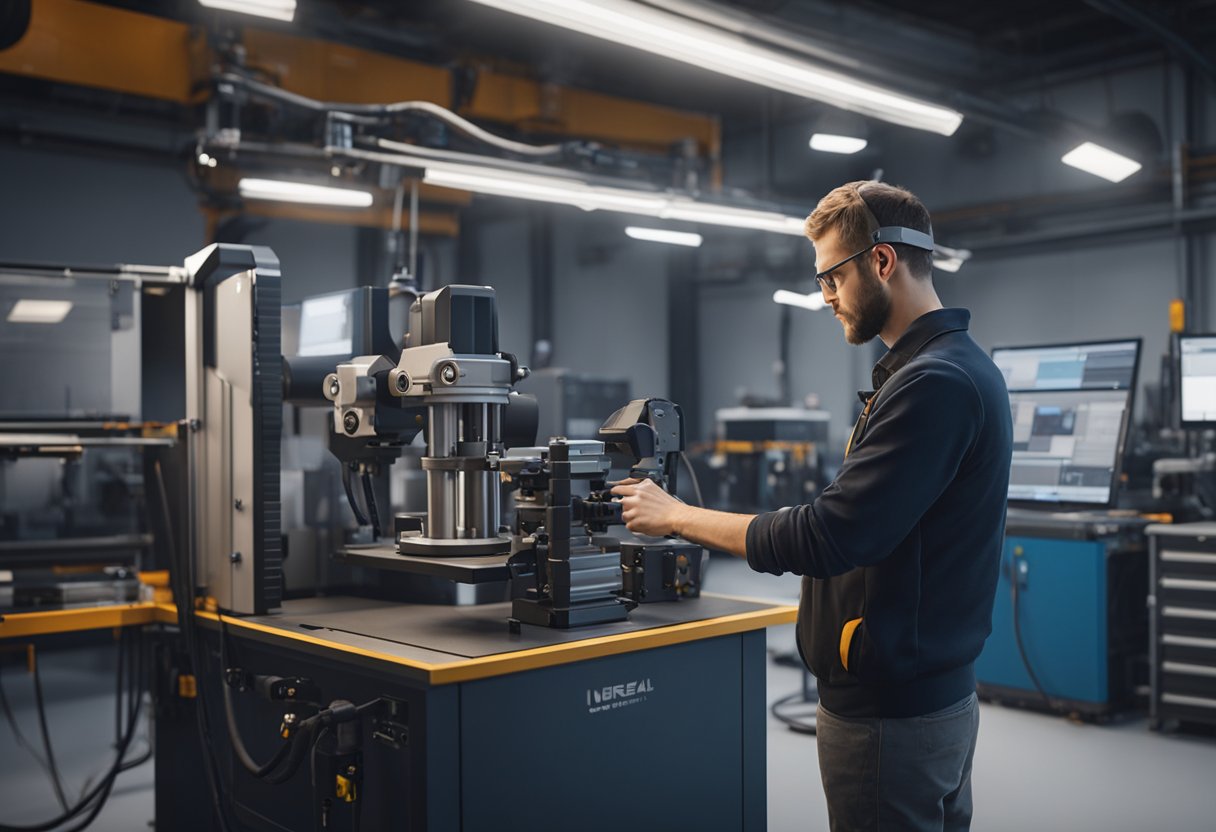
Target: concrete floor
column 1032, row 772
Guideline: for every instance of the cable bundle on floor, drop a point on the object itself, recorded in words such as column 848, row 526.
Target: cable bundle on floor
column 86, row 809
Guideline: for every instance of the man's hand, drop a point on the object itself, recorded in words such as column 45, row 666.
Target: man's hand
column 648, row 509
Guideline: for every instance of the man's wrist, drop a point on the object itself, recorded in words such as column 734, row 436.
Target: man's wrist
column 685, row 516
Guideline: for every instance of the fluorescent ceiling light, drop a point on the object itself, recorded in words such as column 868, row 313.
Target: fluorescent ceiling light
column 39, row 311
column 566, row 190
column 541, row 188
column 276, row 9
column 691, row 211
column 1096, row 159
column 669, row 35
column 829, row 143
column 300, row 192
column 664, row 235
column 813, row 301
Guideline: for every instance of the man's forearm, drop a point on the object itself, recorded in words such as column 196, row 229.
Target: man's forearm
column 714, row 529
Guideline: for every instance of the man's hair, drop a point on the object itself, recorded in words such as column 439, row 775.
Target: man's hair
column 853, row 208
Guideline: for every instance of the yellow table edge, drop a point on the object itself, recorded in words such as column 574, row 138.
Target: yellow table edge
column 537, row 657
column 47, row 622
column 128, row 615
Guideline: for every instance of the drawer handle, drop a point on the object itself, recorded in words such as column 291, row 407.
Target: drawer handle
column 1189, row 641
column 1188, row 583
column 1194, row 701
column 1187, row 612
column 1188, row 669
column 1188, row 557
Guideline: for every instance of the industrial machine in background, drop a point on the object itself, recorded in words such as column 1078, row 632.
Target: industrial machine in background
column 573, row 404
column 765, row 458
column 1072, row 562
column 73, row 523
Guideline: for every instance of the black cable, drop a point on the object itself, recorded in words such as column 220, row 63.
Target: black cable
column 183, row 595
column 794, row 723
column 1017, row 637
column 369, row 496
column 360, row 517
column 52, row 767
column 93, row 801
column 21, row 740
column 692, row 475
column 301, row 744
column 802, row 723
column 118, row 688
column 259, row 770
column 136, row 687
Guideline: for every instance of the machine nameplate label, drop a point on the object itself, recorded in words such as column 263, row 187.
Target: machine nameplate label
column 612, row 697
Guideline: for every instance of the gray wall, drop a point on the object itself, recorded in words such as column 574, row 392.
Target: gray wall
column 1101, row 288
column 609, row 294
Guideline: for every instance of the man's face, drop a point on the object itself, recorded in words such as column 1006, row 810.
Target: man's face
column 861, row 302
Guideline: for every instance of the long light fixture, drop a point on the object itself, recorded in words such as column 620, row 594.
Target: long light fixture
column 280, row 191
column 39, row 311
column 1098, row 160
column 664, row 235
column 830, row 143
column 274, row 9
column 541, row 188
column 565, row 190
column 813, row 301
column 671, row 36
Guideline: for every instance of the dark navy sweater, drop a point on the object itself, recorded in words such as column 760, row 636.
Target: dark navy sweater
column 900, row 553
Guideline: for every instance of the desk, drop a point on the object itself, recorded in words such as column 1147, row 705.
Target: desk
column 654, row 723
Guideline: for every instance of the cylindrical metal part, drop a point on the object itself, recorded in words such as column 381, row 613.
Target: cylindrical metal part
column 476, row 515
column 441, row 498
column 303, row 375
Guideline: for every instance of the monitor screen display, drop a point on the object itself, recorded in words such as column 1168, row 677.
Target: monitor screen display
column 1066, row 445
column 1197, row 379
column 325, row 325
column 1071, row 406
column 1109, row 365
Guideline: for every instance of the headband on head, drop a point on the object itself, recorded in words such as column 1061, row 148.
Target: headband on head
column 906, row 236
column 894, row 233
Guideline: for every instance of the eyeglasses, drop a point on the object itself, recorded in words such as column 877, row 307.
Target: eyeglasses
column 825, row 277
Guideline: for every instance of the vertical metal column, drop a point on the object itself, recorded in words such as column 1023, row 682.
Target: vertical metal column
column 475, row 516
column 441, row 485
column 557, row 523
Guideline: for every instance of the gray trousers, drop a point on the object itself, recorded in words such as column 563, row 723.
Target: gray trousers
column 889, row 774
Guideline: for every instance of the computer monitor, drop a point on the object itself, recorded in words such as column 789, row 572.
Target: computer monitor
column 1197, row 380
column 1071, row 404
column 326, row 325
column 1099, row 365
column 1067, row 445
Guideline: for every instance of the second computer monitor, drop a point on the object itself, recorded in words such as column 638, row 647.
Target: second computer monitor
column 1071, row 407
column 1197, row 380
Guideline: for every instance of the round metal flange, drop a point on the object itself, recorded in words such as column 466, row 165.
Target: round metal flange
column 453, row 548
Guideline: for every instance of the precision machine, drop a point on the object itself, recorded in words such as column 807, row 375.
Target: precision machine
column 606, row 660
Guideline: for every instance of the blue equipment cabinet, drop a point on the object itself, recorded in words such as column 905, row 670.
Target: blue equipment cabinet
column 1073, row 586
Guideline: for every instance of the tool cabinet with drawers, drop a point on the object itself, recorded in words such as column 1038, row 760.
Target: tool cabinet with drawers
column 1182, row 616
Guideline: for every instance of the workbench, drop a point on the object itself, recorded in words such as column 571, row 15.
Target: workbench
column 653, row 723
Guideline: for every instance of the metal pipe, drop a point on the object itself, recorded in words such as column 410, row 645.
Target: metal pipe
column 413, row 229
column 1163, row 221
column 476, row 518
column 441, row 485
